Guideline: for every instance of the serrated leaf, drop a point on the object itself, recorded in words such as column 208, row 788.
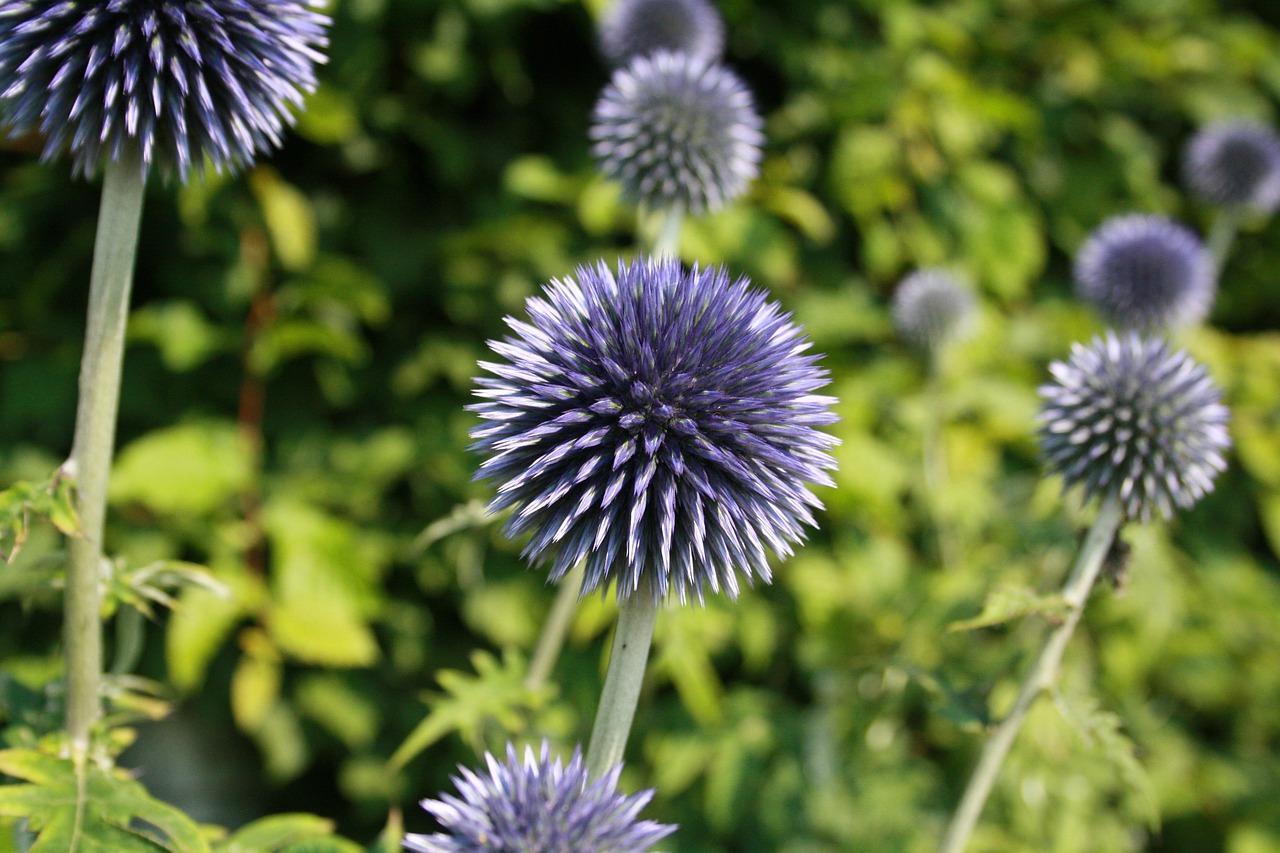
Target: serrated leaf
column 284, row 832
column 1007, row 603
column 495, row 693
column 95, row 810
column 52, row 499
column 1104, row 730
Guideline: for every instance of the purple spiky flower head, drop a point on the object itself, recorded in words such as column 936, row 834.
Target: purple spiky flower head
column 632, row 28
column 538, row 806
column 1131, row 418
column 932, row 307
column 677, row 131
column 1234, row 164
column 657, row 423
column 1146, row 272
column 174, row 83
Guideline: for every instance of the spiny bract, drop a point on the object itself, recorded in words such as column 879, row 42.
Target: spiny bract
column 538, row 806
column 169, row 82
column 658, row 424
column 677, row 131
column 1133, row 419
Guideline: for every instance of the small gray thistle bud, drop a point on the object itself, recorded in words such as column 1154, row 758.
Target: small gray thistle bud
column 1131, row 418
column 1234, row 164
column 677, row 131
column 931, row 307
column 1146, row 272
column 632, row 28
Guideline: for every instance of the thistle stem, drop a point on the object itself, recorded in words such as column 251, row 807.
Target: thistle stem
column 1075, row 592
column 115, row 248
column 554, row 630
column 935, row 465
column 667, row 242
column 622, row 682
column 1222, row 234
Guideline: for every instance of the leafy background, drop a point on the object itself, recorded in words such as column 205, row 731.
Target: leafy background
column 304, row 339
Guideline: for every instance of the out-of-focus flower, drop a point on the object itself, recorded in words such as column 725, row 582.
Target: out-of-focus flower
column 1234, row 164
column 1129, row 417
column 1146, row 272
column 932, row 307
column 538, row 806
column 658, row 424
column 174, row 83
column 677, row 131
column 632, row 28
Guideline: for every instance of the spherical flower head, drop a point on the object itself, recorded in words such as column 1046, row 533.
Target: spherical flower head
column 1130, row 418
column 171, row 83
column 538, row 806
column 1234, row 164
column 1146, row 272
column 658, row 424
column 634, row 28
column 677, row 131
column 931, row 307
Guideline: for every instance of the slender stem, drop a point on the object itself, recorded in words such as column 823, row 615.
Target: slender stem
column 1075, row 592
column 112, row 277
column 1222, row 234
column 935, row 466
column 667, row 242
column 555, row 628
column 622, row 682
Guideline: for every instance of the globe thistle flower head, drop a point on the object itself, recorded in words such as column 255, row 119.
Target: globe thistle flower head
column 538, row 806
column 1129, row 417
column 1146, row 272
column 634, row 28
column 932, row 307
column 677, row 131
column 1234, row 164
column 172, row 83
column 658, row 424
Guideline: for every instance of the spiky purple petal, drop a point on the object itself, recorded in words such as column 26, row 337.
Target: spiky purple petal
column 632, row 28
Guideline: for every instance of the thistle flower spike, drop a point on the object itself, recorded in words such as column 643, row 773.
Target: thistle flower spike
column 1146, row 272
column 538, row 806
column 677, row 131
column 657, row 423
column 1129, row 417
column 1234, row 164
column 174, row 83
column 932, row 307
column 632, row 28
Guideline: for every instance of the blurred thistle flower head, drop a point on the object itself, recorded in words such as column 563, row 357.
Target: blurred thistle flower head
column 170, row 82
column 659, row 424
column 632, row 28
column 538, row 806
column 1146, row 272
column 1234, row 164
column 932, row 307
column 1131, row 418
column 677, row 131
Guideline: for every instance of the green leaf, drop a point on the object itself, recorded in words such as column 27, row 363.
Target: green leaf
column 495, row 693
column 285, row 832
column 188, row 470
column 197, row 629
column 1103, row 730
column 52, row 499
column 289, row 218
column 1004, row 604
column 93, row 810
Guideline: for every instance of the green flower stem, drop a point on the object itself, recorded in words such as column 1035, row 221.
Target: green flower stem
column 935, row 465
column 667, row 242
column 1226, row 222
column 622, row 682
column 555, row 629
column 112, row 277
column 1075, row 592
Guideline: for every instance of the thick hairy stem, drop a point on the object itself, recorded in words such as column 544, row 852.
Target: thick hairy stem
column 1075, row 592
column 622, row 682
column 112, row 278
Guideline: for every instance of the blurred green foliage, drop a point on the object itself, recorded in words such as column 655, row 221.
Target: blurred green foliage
column 304, row 339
